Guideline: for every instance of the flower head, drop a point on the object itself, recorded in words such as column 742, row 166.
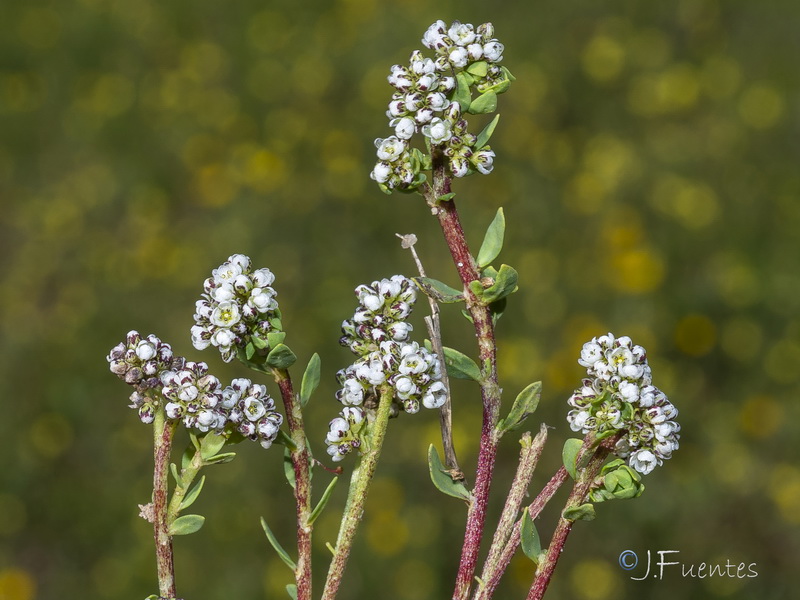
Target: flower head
column 618, row 395
column 237, row 304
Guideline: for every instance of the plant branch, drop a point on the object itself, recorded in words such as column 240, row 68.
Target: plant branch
column 578, row 496
column 163, row 431
column 357, row 495
column 302, row 477
column 433, row 324
column 528, row 459
column 487, row 352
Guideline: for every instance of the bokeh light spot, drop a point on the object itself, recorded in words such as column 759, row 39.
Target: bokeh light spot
column 761, row 106
column 603, row 58
column 693, row 204
column 741, row 338
column 386, row 533
column 594, row 580
column 414, row 580
column 761, row 416
column 16, row 584
column 636, row 271
column 784, row 488
column 781, row 361
column 695, row 335
column 51, row 434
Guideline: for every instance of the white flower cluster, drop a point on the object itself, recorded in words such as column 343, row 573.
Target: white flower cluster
column 619, row 395
column 140, row 362
column 237, row 304
column 423, row 101
column 195, row 397
column 189, row 393
column 379, row 336
column 251, row 411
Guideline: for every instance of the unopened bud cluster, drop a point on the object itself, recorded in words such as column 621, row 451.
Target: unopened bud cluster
column 140, row 362
column 618, row 395
column 189, row 393
column 379, row 335
column 238, row 304
column 423, row 102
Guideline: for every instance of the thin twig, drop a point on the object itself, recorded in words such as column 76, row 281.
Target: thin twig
column 433, row 324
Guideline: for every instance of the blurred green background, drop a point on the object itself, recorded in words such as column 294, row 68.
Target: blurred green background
column 647, row 163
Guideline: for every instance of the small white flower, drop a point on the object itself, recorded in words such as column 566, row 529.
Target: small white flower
column 484, row 160
column 262, row 300
column 223, row 338
column 643, row 461
column 438, row 130
column 405, row 128
column 437, row 101
column 145, row 350
column 458, row 57
column 493, row 51
column 475, row 51
column 590, row 354
column 461, row 33
column 434, row 35
column 226, row 314
column 254, row 409
column 459, row 165
column 390, row 149
column 173, row 410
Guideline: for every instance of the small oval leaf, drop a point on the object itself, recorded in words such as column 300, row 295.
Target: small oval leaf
column 192, row 494
column 441, row 292
column 186, row 524
column 486, row 134
column 524, row 405
column 460, row 365
column 211, row 444
column 584, row 512
column 529, row 538
column 505, row 283
column 281, row 357
column 485, row 103
column 310, row 380
column 291, row 589
column 443, row 482
column 569, row 455
column 493, row 240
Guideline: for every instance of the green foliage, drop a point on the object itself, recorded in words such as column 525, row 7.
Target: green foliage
column 282, row 554
column 186, row 524
column 493, row 240
column 529, row 538
column 310, row 380
column 442, row 479
column 569, row 455
column 460, row 365
column 525, row 404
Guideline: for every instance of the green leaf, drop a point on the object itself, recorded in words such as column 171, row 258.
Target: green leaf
column 275, row 338
column 478, row 69
column 249, row 350
column 288, row 467
column 310, row 379
column 211, row 444
column 281, row 357
column 291, row 589
column 439, row 291
column 192, row 494
column 529, row 538
column 460, row 365
column 284, row 439
column 493, row 240
column 569, row 455
column 186, row 524
column 485, row 103
column 445, row 197
column 524, row 405
column 173, row 468
column 220, row 459
column 259, row 342
column 323, row 501
column 188, row 454
column 486, row 134
column 504, row 284
column 277, row 546
column 584, row 512
column 462, row 95
column 440, row 478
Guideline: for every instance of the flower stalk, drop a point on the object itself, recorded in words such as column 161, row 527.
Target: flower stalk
column 163, row 431
column 357, row 495
column 302, row 490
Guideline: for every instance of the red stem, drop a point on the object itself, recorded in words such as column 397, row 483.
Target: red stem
column 302, row 488
column 490, row 392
